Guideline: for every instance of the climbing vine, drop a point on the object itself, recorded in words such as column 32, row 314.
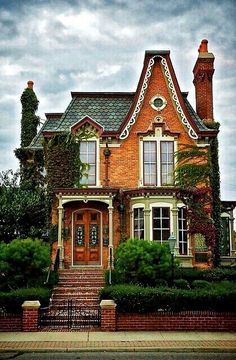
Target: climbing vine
column 193, row 174
column 215, row 186
column 29, row 121
column 62, row 153
column 31, row 161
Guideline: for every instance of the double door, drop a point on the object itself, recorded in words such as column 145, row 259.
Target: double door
column 87, row 234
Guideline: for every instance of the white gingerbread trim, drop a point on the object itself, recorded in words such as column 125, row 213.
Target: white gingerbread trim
column 125, row 132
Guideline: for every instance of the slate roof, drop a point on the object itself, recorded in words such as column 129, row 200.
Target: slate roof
column 107, row 109
column 200, row 125
column 52, row 121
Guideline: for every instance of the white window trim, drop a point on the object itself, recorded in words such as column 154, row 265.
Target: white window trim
column 179, row 206
column 136, row 206
column 98, row 183
column 158, row 140
column 156, row 205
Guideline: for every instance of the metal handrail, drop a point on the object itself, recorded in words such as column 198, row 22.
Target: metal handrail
column 54, row 266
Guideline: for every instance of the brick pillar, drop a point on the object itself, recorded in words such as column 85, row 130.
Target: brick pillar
column 108, row 315
column 30, row 315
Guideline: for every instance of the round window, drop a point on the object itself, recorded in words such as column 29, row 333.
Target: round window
column 158, row 102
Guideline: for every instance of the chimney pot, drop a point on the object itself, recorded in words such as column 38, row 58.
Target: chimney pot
column 30, row 84
column 203, row 46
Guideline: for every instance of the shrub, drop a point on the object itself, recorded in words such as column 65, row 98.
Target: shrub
column 181, row 284
column 215, row 274
column 161, row 283
column 201, row 284
column 142, row 262
column 131, row 298
column 24, row 262
column 12, row 301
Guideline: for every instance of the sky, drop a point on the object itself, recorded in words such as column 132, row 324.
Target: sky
column 99, row 45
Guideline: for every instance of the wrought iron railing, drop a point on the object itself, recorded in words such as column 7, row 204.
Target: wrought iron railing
column 70, row 315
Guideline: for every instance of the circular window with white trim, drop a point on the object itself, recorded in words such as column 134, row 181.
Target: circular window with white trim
column 158, row 102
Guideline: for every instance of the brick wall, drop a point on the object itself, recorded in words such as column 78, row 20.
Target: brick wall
column 10, row 322
column 189, row 320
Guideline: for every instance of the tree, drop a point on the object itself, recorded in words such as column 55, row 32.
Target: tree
column 22, row 212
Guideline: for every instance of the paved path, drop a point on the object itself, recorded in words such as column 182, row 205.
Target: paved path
column 131, row 341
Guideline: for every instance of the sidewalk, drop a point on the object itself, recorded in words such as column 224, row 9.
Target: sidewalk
column 118, row 341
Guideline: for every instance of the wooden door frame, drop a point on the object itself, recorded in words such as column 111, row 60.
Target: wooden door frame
column 73, row 237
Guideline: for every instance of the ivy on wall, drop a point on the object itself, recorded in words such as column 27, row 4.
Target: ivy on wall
column 193, row 174
column 215, row 186
column 31, row 161
column 62, row 154
column 29, row 121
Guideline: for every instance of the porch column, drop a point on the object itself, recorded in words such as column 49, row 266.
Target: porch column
column 110, row 246
column 231, row 234
column 147, row 222
column 59, row 239
column 175, row 226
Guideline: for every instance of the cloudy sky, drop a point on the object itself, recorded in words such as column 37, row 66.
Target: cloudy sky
column 98, row 45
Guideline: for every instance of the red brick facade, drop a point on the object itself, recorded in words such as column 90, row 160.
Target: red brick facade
column 120, row 185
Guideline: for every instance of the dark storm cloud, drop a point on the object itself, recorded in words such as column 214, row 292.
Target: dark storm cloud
column 98, row 45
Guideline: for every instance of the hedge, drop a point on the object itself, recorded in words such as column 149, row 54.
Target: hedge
column 131, row 298
column 12, row 301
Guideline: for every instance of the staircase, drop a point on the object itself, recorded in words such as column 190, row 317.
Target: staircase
column 75, row 300
column 80, row 284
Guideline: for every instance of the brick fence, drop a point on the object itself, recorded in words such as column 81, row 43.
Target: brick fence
column 10, row 322
column 112, row 320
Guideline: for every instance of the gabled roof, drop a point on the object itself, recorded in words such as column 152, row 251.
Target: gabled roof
column 116, row 112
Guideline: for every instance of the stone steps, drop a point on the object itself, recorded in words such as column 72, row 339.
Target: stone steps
column 80, row 285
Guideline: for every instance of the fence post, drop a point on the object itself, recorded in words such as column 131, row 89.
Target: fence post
column 108, row 315
column 30, row 316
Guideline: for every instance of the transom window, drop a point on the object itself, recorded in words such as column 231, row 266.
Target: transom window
column 139, row 223
column 158, row 163
column 160, row 223
column 88, row 156
column 182, row 225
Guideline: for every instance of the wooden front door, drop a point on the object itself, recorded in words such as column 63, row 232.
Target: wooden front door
column 87, row 230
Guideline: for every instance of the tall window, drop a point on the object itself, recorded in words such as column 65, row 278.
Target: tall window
column 150, row 163
column 161, row 223
column 139, row 223
column 158, row 163
column 167, row 162
column 88, row 156
column 182, row 222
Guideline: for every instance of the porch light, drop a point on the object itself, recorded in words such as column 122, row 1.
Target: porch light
column 172, row 241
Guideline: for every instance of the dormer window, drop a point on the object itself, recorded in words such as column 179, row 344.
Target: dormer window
column 88, row 155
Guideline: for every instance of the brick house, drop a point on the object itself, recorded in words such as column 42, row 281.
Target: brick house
column 129, row 189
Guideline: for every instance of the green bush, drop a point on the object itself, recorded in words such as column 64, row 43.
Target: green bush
column 161, row 283
column 23, row 263
column 12, row 301
column 215, row 274
column 131, row 298
column 181, row 284
column 201, row 284
column 142, row 262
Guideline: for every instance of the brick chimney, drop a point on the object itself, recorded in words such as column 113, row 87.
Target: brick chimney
column 30, row 84
column 203, row 72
